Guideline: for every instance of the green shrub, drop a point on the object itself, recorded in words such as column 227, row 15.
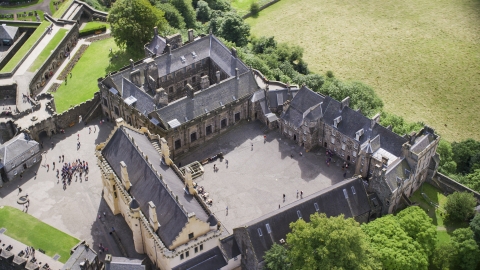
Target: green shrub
column 254, row 9
column 89, row 31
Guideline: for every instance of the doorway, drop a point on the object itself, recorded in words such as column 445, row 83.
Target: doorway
column 294, row 137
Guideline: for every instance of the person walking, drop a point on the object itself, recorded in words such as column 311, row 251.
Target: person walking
column 19, row 189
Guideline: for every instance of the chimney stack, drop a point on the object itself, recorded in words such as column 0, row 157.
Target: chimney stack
column 169, row 49
column 218, row 76
column 190, row 35
column 345, row 102
column 125, row 178
column 236, row 74
column 234, row 52
column 155, row 29
column 189, row 90
column 375, row 119
column 131, row 63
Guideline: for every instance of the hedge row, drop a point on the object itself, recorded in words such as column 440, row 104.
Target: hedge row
column 86, row 32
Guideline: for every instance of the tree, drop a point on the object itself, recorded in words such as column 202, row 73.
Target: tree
column 231, row 27
column 466, row 256
column 276, row 258
column 329, row 243
column 463, row 152
column 396, row 249
column 442, row 256
column 418, row 225
column 172, row 15
column 254, row 9
column 132, row 23
column 203, row 11
column 447, row 165
column 460, row 206
column 398, row 124
column 475, row 227
column 186, row 9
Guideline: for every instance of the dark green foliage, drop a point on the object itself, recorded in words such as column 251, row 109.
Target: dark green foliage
column 447, row 165
column 398, row 124
column 254, row 9
column 260, row 45
column 329, row 74
column 221, row 5
column 467, row 155
column 276, row 258
column 132, row 22
column 90, row 31
column 418, row 225
column 461, row 252
column 361, row 95
column 172, row 15
column 475, row 227
column 231, row 27
column 460, row 206
column 203, row 11
column 185, row 8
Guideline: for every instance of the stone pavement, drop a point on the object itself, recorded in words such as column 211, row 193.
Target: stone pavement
column 76, row 209
column 17, row 247
column 255, row 179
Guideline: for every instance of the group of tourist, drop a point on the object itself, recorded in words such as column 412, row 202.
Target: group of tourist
column 75, row 169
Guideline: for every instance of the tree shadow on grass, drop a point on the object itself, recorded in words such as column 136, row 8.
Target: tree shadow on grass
column 121, row 58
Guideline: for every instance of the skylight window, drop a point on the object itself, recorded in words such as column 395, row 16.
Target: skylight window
column 194, row 55
column 183, row 59
column 353, row 190
column 345, row 193
column 260, row 232
column 316, row 207
column 299, row 214
column 269, row 230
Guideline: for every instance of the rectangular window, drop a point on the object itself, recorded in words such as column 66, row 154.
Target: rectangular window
column 190, row 235
column 178, row 144
column 332, row 140
column 181, row 256
column 196, row 249
column 223, row 123
column 193, row 137
column 170, row 89
column 194, row 79
column 316, row 207
column 117, row 112
column 269, row 230
column 208, row 130
column 299, row 214
column 259, row 232
column 187, row 253
column 105, row 102
column 201, row 247
column 237, row 117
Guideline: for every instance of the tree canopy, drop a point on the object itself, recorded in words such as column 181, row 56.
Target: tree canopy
column 460, row 206
column 132, row 23
column 230, row 26
column 185, row 8
column 328, row 243
column 276, row 258
column 467, row 155
column 172, row 15
column 418, row 225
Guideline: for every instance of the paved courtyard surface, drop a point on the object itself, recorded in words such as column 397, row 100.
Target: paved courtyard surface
column 256, row 177
column 76, row 209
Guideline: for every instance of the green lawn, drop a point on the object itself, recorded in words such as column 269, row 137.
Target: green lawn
column 28, row 18
column 444, row 228
column 94, row 63
column 25, row 47
column 243, row 6
column 31, row 231
column 94, row 25
column 61, row 9
column 48, row 49
column 23, row 5
column 421, row 56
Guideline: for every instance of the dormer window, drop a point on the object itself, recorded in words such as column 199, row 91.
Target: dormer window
column 359, row 134
column 336, row 121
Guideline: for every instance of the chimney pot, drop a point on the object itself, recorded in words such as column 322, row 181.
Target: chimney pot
column 190, row 35
column 236, row 73
column 132, row 63
column 156, row 30
column 169, row 49
column 234, row 52
column 218, row 76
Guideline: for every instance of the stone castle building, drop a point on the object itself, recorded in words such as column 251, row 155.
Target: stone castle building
column 186, row 94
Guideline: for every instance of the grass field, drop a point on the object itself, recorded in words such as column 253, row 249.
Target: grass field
column 32, row 18
column 94, row 25
column 243, row 6
column 31, row 231
column 93, row 64
column 444, row 228
column 422, row 57
column 48, row 49
column 25, row 47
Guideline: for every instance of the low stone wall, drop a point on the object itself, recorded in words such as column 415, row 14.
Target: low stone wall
column 48, row 68
column 448, row 185
column 13, row 49
column 10, row 74
column 261, row 8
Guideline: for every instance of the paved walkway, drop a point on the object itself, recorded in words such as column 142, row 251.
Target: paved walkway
column 76, row 209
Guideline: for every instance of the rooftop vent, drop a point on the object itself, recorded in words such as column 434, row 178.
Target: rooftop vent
column 345, row 193
column 183, row 59
column 194, row 55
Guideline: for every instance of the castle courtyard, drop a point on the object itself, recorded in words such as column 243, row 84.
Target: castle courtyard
column 74, row 210
column 257, row 176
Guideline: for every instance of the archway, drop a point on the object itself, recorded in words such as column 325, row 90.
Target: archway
column 325, row 145
column 43, row 134
column 348, row 158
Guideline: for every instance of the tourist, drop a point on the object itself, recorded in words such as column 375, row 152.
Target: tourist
column 89, row 130
column 19, row 189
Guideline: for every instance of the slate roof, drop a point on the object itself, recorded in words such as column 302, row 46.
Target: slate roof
column 303, row 101
column 210, row 99
column 157, row 45
column 230, row 247
column 8, row 32
column 146, row 185
column 205, row 47
column 81, row 253
column 210, row 260
column 422, row 142
column 397, row 169
column 121, row 263
column 144, row 104
column 276, row 97
column 330, row 201
column 15, row 147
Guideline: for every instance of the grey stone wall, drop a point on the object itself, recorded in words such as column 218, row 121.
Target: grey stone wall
column 448, row 185
column 249, row 260
column 7, row 131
